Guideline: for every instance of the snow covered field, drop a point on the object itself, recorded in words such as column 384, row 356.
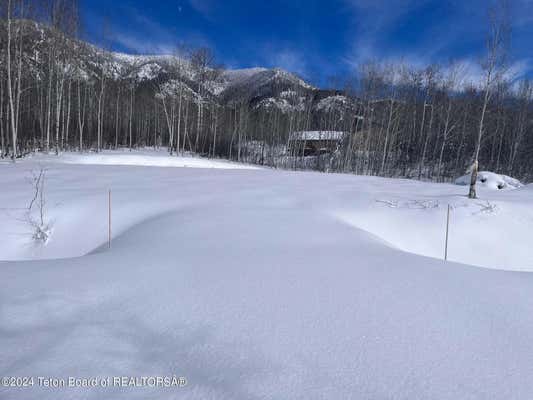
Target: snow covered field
column 256, row 283
column 147, row 157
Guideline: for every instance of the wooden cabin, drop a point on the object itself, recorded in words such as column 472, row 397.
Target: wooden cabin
column 313, row 143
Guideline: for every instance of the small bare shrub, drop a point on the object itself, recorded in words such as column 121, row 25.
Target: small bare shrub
column 36, row 215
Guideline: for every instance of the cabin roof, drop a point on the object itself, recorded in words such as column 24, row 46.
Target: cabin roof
column 317, row 135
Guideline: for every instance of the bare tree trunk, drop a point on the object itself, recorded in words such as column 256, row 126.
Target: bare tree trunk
column 100, row 112
column 69, row 87
column 81, row 113
column 9, row 86
column 2, row 139
column 19, row 82
column 179, row 121
column 49, row 102
column 387, row 132
column 446, row 124
column 116, row 119
column 215, row 131
column 496, row 46
column 59, row 101
column 426, row 141
column 198, row 124
column 169, row 117
column 131, row 116
column 473, row 178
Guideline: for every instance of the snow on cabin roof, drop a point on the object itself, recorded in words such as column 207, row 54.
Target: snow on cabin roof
column 317, row 135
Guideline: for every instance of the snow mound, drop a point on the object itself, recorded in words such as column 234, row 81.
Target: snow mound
column 491, row 180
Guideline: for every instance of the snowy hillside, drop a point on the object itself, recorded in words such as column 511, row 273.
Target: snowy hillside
column 223, row 85
column 257, row 283
column 249, row 83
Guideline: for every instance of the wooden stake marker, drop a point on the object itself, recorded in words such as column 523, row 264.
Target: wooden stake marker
column 109, row 220
column 447, row 229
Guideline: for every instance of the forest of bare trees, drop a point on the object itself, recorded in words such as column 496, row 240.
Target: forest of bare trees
column 59, row 93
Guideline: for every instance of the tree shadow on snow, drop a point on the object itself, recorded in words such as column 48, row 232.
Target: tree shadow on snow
column 104, row 340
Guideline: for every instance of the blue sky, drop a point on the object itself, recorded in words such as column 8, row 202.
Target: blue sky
column 316, row 39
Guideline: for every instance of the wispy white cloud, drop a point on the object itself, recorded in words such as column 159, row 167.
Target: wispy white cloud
column 375, row 20
column 151, row 37
column 474, row 74
column 284, row 57
column 204, row 7
column 291, row 60
column 522, row 13
column 461, row 72
column 141, row 45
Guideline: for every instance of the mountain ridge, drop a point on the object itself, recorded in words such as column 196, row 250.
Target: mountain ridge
column 255, row 85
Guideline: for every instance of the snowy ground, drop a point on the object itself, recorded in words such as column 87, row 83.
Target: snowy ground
column 146, row 157
column 264, row 284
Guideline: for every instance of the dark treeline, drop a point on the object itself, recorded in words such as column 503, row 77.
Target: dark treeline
column 58, row 93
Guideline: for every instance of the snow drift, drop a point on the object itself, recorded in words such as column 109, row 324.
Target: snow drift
column 491, row 180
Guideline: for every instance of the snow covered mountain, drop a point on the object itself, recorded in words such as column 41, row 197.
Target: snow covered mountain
column 250, row 84
column 260, row 87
